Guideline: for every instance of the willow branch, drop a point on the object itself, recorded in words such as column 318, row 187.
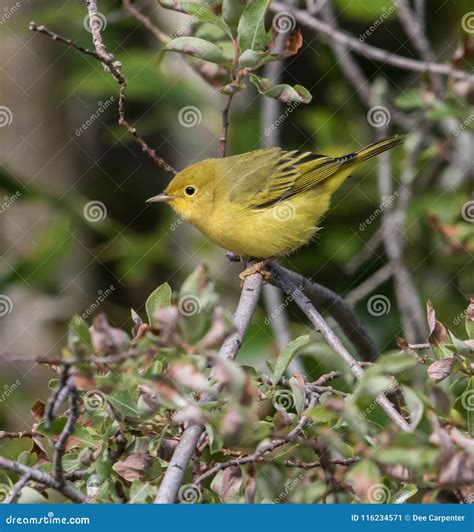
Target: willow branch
column 367, row 50
column 337, row 307
column 186, row 447
column 290, row 288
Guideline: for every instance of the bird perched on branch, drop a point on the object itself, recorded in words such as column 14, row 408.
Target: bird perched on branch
column 266, row 203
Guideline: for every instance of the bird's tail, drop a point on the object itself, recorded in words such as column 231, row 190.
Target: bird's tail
column 378, row 147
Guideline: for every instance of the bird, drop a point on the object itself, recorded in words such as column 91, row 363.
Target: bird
column 263, row 204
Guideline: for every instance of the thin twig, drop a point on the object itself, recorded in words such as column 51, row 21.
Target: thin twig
column 64, row 488
column 339, row 309
column 259, row 455
column 290, row 288
column 354, row 73
column 367, row 50
column 174, row 474
column 161, row 36
column 15, row 492
column 369, row 285
column 416, row 33
column 61, row 443
column 114, row 67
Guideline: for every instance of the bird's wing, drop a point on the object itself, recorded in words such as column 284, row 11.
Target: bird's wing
column 271, row 175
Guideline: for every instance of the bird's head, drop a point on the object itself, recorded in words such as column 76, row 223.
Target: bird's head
column 191, row 192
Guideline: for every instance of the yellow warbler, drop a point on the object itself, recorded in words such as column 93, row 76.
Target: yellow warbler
column 266, row 203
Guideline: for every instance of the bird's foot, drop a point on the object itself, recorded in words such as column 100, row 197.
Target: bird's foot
column 258, row 267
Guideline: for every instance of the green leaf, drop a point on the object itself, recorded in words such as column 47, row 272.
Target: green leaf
column 231, row 11
column 470, row 320
column 403, row 494
column 396, row 362
column 252, row 59
column 410, row 100
column 198, row 48
column 283, row 93
column 414, row 405
column 286, row 356
column 159, row 298
column 251, row 29
column 409, row 457
column 297, row 387
column 79, row 339
column 123, row 402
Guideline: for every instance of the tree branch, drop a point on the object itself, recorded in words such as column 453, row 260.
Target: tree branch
column 64, row 488
column 174, row 474
column 290, row 288
column 339, row 309
column 367, row 50
column 114, row 67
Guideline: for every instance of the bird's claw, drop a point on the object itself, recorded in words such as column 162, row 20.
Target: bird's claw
column 258, row 267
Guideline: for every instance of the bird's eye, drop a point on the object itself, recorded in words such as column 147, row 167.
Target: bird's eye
column 190, row 191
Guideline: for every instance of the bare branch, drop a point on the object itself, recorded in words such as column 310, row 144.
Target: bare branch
column 161, row 36
column 114, row 67
column 174, row 475
column 15, row 492
column 64, row 488
column 60, row 445
column 369, row 285
column 339, row 309
column 367, row 50
column 416, row 33
column 289, row 287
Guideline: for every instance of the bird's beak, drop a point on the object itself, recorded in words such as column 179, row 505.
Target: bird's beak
column 160, row 198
